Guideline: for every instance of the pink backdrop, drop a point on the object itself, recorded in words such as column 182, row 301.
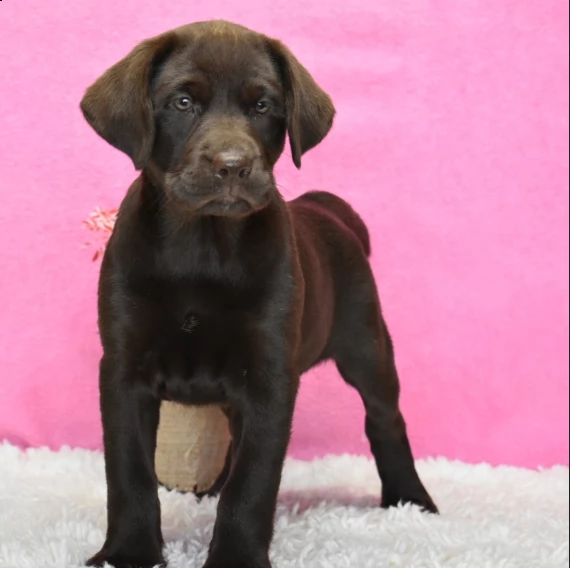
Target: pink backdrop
column 451, row 140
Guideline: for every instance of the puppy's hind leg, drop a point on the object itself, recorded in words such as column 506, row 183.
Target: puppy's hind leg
column 364, row 355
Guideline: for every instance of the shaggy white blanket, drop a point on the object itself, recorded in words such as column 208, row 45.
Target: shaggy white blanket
column 52, row 515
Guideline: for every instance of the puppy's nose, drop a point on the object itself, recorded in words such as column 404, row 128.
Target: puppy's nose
column 232, row 165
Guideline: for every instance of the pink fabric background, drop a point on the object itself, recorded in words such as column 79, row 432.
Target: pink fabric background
column 451, row 140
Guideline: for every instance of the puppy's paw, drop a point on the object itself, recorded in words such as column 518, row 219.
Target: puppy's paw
column 126, row 560
column 420, row 498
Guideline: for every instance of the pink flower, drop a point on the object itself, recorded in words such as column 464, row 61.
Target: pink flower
column 100, row 221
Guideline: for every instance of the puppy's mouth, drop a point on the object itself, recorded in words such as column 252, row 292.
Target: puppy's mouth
column 228, row 206
column 219, row 200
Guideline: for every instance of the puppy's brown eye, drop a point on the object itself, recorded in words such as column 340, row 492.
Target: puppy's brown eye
column 183, row 103
column 262, row 107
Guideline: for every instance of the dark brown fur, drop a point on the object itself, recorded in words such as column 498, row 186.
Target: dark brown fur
column 272, row 288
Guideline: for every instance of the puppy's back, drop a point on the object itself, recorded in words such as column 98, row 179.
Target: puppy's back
column 328, row 204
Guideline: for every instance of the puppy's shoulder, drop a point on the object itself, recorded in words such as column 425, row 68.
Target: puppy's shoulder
column 133, row 225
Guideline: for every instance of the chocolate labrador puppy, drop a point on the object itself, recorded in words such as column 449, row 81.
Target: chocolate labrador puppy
column 214, row 290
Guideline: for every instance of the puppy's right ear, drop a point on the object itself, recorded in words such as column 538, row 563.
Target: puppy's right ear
column 118, row 104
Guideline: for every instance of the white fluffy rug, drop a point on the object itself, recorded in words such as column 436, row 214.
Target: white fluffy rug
column 52, row 515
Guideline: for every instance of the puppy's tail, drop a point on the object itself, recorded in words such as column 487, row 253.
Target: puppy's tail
column 345, row 213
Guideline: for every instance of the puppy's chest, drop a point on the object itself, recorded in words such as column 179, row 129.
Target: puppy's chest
column 201, row 342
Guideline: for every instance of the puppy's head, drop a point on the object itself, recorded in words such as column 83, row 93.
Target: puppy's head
column 205, row 109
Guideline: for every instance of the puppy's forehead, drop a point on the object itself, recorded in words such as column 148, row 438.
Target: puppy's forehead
column 220, row 51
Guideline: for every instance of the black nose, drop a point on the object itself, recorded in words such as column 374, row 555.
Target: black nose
column 232, row 165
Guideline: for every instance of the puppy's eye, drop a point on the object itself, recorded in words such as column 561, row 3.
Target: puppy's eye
column 262, row 107
column 183, row 103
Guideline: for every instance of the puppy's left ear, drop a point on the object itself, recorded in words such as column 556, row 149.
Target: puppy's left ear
column 118, row 104
column 310, row 111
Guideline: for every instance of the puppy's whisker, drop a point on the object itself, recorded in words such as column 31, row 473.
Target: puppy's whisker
column 282, row 189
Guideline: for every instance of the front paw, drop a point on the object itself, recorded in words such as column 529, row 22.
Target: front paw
column 126, row 560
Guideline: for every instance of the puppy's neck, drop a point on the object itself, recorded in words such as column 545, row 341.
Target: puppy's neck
column 178, row 232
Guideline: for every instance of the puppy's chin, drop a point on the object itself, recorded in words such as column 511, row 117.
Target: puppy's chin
column 236, row 208
column 188, row 201
column 188, row 195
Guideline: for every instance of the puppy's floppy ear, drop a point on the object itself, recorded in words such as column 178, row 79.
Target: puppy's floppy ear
column 118, row 104
column 310, row 111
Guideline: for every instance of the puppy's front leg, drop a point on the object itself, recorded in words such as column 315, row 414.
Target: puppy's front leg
column 130, row 413
column 244, row 525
